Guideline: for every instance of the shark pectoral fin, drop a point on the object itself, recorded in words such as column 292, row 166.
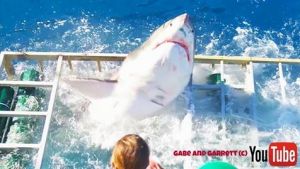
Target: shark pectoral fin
column 91, row 89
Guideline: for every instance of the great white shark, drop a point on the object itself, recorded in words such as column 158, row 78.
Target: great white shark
column 150, row 77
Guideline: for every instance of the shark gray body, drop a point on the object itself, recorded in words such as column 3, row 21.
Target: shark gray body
column 150, row 78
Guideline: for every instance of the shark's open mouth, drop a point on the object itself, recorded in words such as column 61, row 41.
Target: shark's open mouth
column 181, row 44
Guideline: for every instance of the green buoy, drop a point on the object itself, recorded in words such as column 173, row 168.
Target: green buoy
column 214, row 78
column 217, row 165
column 6, row 97
column 28, row 75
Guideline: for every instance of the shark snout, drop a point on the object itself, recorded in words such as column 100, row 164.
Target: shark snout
column 185, row 19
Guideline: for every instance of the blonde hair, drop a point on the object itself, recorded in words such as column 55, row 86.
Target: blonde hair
column 130, row 152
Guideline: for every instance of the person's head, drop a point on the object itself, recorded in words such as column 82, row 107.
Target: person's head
column 130, row 152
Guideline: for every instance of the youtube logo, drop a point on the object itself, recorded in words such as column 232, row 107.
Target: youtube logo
column 283, row 154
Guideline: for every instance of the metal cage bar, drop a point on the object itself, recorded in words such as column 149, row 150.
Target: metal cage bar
column 120, row 57
column 49, row 114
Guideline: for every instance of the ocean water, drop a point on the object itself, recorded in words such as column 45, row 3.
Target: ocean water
column 267, row 28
